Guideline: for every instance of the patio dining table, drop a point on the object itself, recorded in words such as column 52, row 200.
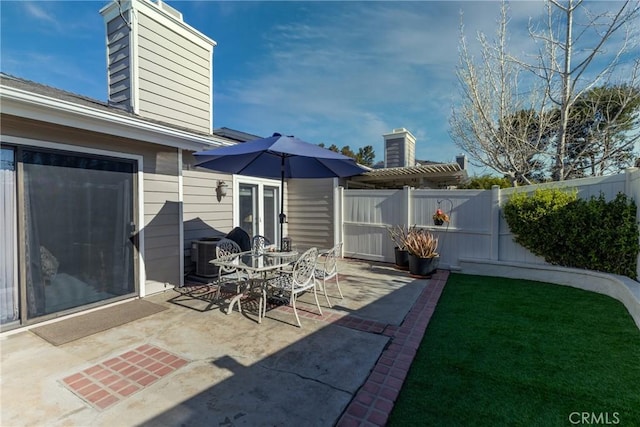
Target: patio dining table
column 259, row 267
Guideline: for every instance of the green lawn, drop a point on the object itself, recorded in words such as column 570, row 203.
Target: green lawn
column 515, row 352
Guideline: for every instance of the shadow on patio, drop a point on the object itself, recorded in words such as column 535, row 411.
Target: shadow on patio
column 237, row 372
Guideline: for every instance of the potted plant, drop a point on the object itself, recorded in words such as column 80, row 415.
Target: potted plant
column 440, row 217
column 423, row 256
column 398, row 234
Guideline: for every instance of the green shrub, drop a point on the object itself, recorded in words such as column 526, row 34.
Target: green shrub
column 592, row 234
column 485, row 182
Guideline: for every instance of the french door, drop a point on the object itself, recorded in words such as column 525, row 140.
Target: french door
column 257, row 207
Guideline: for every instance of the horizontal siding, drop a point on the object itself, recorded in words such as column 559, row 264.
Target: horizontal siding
column 167, row 63
column 310, row 212
column 179, row 60
column 165, row 109
column 175, row 47
column 162, row 220
column 203, row 214
column 166, row 84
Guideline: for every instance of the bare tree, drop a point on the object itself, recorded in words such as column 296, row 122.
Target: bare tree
column 498, row 123
column 569, row 72
column 519, row 126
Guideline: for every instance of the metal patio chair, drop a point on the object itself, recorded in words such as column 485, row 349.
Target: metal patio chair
column 229, row 276
column 259, row 244
column 327, row 269
column 300, row 279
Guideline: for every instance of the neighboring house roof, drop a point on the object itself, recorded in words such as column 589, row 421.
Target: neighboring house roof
column 28, row 99
column 435, row 175
column 235, row 134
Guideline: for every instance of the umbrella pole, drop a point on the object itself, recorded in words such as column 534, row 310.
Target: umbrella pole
column 283, row 217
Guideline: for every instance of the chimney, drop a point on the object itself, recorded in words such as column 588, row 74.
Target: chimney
column 461, row 159
column 158, row 66
column 399, row 148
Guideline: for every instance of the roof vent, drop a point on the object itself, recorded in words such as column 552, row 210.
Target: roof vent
column 397, row 130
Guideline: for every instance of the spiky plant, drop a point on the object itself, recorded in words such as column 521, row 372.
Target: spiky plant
column 398, row 234
column 421, row 243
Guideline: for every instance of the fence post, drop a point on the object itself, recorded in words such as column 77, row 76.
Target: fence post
column 495, row 222
column 632, row 191
column 406, row 205
column 338, row 216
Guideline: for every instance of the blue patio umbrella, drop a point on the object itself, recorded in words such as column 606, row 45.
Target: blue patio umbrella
column 281, row 157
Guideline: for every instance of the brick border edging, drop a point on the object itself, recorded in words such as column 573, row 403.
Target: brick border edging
column 373, row 402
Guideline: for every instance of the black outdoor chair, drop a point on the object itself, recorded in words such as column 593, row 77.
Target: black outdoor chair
column 241, row 237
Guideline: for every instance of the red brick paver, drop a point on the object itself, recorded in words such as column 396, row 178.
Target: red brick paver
column 372, row 404
column 111, row 381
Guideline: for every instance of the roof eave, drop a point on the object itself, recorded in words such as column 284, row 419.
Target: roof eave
column 35, row 106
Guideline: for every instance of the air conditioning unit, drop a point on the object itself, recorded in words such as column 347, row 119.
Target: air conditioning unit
column 205, row 252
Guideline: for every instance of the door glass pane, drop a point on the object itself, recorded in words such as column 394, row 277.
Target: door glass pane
column 248, row 208
column 79, row 215
column 9, row 311
column 271, row 206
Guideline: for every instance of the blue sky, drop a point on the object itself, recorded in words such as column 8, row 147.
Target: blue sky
column 335, row 72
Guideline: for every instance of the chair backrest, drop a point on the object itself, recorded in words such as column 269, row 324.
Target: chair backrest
column 304, row 268
column 259, row 243
column 331, row 260
column 226, row 248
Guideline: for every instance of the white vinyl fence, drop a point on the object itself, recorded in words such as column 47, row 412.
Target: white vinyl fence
column 477, row 228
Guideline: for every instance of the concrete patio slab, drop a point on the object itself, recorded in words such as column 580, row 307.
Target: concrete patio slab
column 236, row 371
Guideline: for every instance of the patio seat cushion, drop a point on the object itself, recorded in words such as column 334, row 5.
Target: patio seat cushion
column 241, row 237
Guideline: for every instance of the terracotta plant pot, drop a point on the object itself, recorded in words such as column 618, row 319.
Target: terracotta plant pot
column 402, row 258
column 422, row 266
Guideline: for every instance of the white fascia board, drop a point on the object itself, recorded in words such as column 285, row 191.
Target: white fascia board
column 149, row 8
column 174, row 24
column 43, row 108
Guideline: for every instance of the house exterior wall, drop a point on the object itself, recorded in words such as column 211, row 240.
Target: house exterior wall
column 204, row 214
column 174, row 77
column 161, row 228
column 158, row 66
column 310, row 212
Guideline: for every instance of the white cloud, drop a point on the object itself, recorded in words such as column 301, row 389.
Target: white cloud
column 76, row 21
column 355, row 71
column 365, row 69
column 38, row 12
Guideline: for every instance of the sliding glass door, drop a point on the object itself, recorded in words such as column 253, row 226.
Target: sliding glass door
column 9, row 302
column 67, row 224
column 78, row 218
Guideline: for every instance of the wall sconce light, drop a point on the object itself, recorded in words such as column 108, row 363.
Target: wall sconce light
column 221, row 189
